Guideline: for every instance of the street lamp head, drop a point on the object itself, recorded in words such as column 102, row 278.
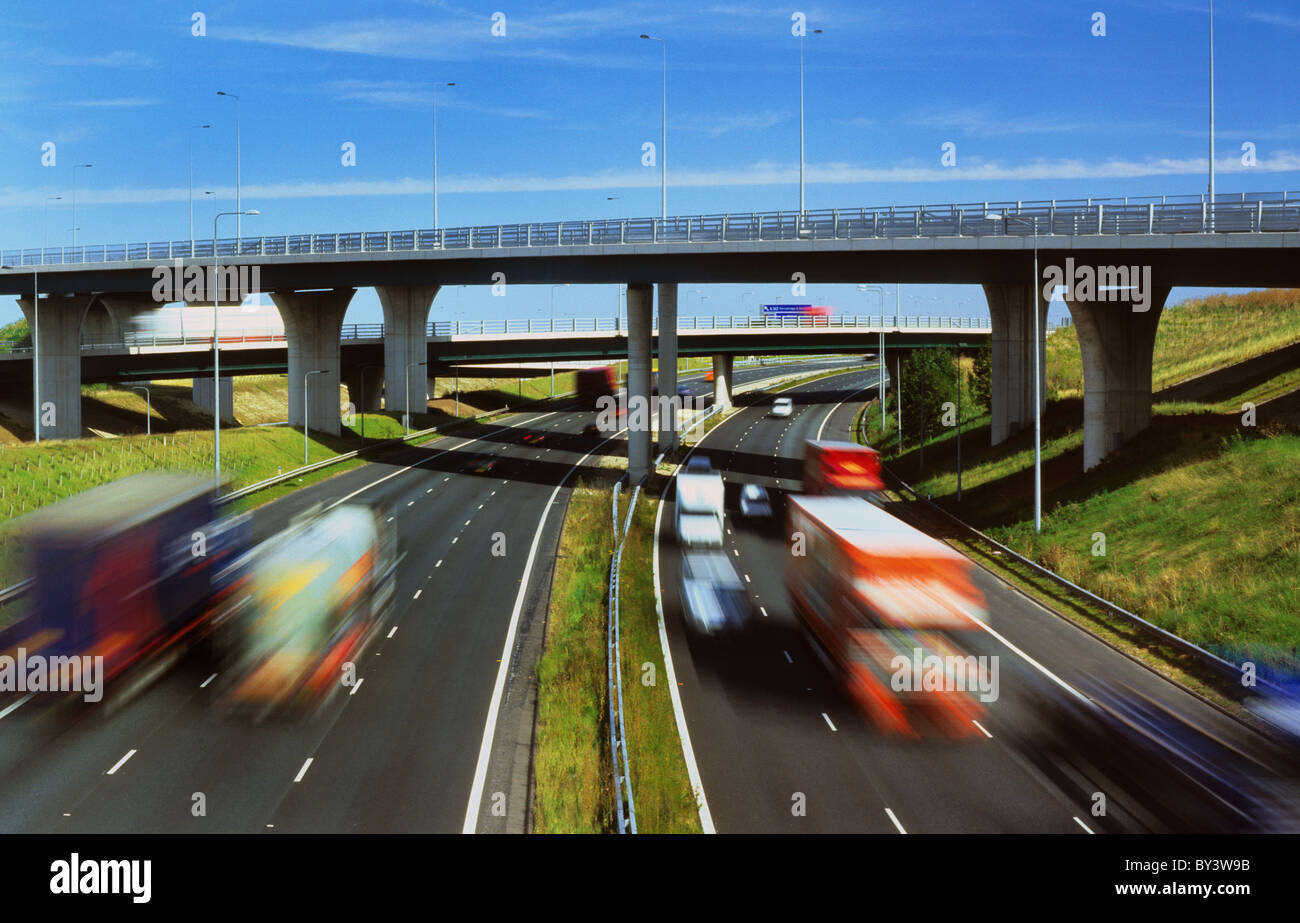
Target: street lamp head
column 643, row 35
column 252, row 211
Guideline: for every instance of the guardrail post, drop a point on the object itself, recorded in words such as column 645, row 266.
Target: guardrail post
column 875, row 224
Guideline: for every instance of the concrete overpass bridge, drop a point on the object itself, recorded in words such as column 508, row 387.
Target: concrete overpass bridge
column 450, row 344
column 1131, row 251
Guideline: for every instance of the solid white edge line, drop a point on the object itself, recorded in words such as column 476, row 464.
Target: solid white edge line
column 688, row 752
column 474, row 806
column 303, row 771
column 895, row 820
column 1083, row 825
column 118, row 764
column 17, row 704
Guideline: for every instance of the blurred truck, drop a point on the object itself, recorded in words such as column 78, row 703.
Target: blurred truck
column 127, row 570
column 889, row 606
column 699, row 505
column 305, row 605
column 841, row 468
column 593, row 384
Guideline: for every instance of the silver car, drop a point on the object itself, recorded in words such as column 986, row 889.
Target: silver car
column 754, row 502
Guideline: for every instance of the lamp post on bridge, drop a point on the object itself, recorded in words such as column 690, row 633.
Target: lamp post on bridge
column 1038, row 417
column 191, row 142
column 435, row 155
column 880, row 392
column 75, row 168
column 663, row 133
column 801, row 200
column 216, row 354
column 239, row 202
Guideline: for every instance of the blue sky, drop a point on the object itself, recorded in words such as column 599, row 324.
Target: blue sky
column 547, row 122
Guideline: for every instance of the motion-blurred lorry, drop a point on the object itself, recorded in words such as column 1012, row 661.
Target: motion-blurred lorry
column 593, row 384
column 305, row 605
column 890, row 606
column 841, row 468
column 699, row 507
column 126, row 570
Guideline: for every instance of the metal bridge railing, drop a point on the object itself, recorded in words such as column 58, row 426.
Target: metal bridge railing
column 1247, row 212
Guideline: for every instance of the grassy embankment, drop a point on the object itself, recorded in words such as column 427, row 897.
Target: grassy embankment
column 1199, row 513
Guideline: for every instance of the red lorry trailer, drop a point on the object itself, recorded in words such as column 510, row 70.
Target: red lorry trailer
column 890, row 606
column 593, row 384
column 841, row 468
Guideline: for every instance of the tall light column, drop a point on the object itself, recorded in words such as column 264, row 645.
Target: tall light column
column 663, row 133
column 1211, row 210
column 801, row 202
column 435, row 150
column 191, row 139
column 75, row 168
column 216, row 353
column 239, row 204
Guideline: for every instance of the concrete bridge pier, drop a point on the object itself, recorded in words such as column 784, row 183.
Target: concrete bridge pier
column 406, row 318
column 639, row 308
column 722, row 363
column 201, row 395
column 58, row 366
column 1116, row 342
column 1013, row 356
column 667, row 354
column 313, row 321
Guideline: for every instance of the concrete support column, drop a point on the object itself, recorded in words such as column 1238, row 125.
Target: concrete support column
column 667, row 355
column 722, row 380
column 57, row 369
column 202, row 396
column 373, row 384
column 639, row 307
column 312, row 324
column 1013, row 357
column 1116, row 344
column 406, row 316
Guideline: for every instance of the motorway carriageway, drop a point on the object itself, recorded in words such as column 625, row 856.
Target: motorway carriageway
column 766, row 719
column 404, row 751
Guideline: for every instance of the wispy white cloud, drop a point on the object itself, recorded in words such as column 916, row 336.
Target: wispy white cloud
column 116, row 102
column 762, row 173
column 118, row 59
column 402, row 94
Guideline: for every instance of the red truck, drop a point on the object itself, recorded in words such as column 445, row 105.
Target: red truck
column 841, row 468
column 892, row 608
column 593, row 384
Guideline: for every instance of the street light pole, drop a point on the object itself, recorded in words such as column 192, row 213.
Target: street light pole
column 663, row 133
column 306, row 404
column 1211, row 211
column 409, row 366
column 1038, row 416
column 239, row 205
column 191, row 140
column 435, row 151
column 75, row 168
column 801, row 201
column 216, row 355
column 148, row 409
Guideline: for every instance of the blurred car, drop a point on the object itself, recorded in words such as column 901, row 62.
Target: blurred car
column 782, row 407
column 713, row 596
column 699, row 464
column 591, row 429
column 484, row 464
column 754, row 502
column 535, row 438
column 684, row 391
